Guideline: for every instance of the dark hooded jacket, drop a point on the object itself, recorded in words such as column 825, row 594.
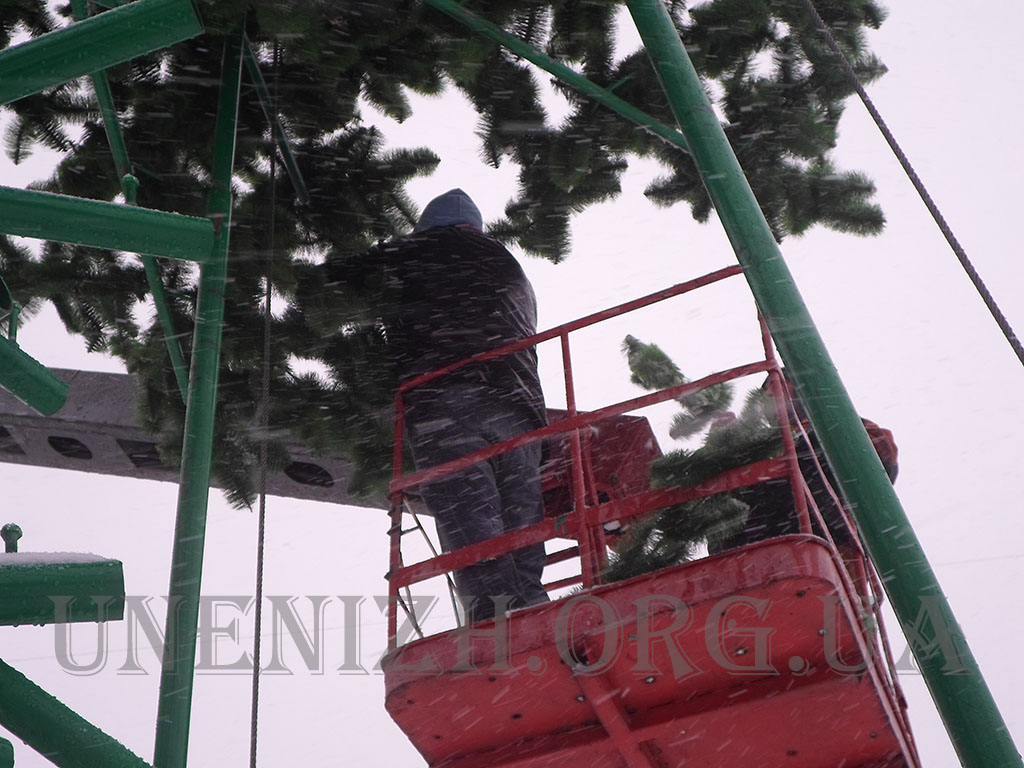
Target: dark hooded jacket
column 450, row 292
column 456, row 293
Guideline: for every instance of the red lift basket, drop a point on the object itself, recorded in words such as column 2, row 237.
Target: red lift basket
column 771, row 655
column 768, row 667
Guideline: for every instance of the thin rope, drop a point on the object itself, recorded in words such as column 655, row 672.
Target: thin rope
column 410, row 612
column 263, row 419
column 933, row 209
column 435, row 553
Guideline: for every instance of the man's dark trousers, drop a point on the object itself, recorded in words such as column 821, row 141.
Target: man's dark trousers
column 487, row 499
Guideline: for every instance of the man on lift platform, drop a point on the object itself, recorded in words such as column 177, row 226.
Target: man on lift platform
column 451, row 292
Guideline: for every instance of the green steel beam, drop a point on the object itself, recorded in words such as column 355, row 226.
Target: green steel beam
column 975, row 725
column 29, row 380
column 55, row 730
column 252, row 65
column 562, row 72
column 176, row 682
column 95, row 44
column 59, row 590
column 44, row 215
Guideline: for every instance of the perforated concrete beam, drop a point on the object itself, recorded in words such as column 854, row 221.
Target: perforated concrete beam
column 96, row 432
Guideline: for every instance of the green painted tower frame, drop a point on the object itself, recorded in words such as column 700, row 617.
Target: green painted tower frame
column 969, row 713
column 88, row 46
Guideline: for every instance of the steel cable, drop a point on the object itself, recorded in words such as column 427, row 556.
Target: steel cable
column 263, row 420
column 933, row 209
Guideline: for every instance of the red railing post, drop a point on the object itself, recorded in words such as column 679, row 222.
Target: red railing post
column 600, row 538
column 782, row 413
column 395, row 529
column 579, row 501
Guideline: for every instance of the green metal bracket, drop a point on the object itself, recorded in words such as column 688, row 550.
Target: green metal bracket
column 562, row 72
column 28, row 213
column 177, row 679
column 95, row 44
column 978, row 732
column 59, row 588
column 55, row 730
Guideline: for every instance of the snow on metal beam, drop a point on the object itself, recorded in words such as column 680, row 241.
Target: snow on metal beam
column 47, row 216
column 95, row 44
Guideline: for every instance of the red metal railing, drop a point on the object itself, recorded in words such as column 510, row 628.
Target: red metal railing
column 585, row 524
column 578, row 525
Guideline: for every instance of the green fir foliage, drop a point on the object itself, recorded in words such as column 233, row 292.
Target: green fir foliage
column 331, row 68
column 676, row 534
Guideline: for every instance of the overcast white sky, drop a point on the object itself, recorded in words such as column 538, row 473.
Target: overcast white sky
column 911, row 339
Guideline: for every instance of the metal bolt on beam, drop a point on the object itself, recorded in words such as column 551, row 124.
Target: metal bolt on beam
column 10, row 533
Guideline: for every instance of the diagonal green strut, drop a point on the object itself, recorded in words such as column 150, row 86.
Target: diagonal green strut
column 569, row 76
column 252, row 66
column 55, row 730
column 965, row 704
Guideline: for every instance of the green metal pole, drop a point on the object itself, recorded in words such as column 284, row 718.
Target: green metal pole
column 55, row 730
column 174, row 708
column 94, row 44
column 559, row 70
column 20, row 373
column 965, row 704
column 97, row 223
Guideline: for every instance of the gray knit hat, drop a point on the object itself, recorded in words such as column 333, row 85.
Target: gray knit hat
column 451, row 208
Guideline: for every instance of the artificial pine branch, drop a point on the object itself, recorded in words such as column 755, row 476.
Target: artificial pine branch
column 781, row 118
column 674, row 535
